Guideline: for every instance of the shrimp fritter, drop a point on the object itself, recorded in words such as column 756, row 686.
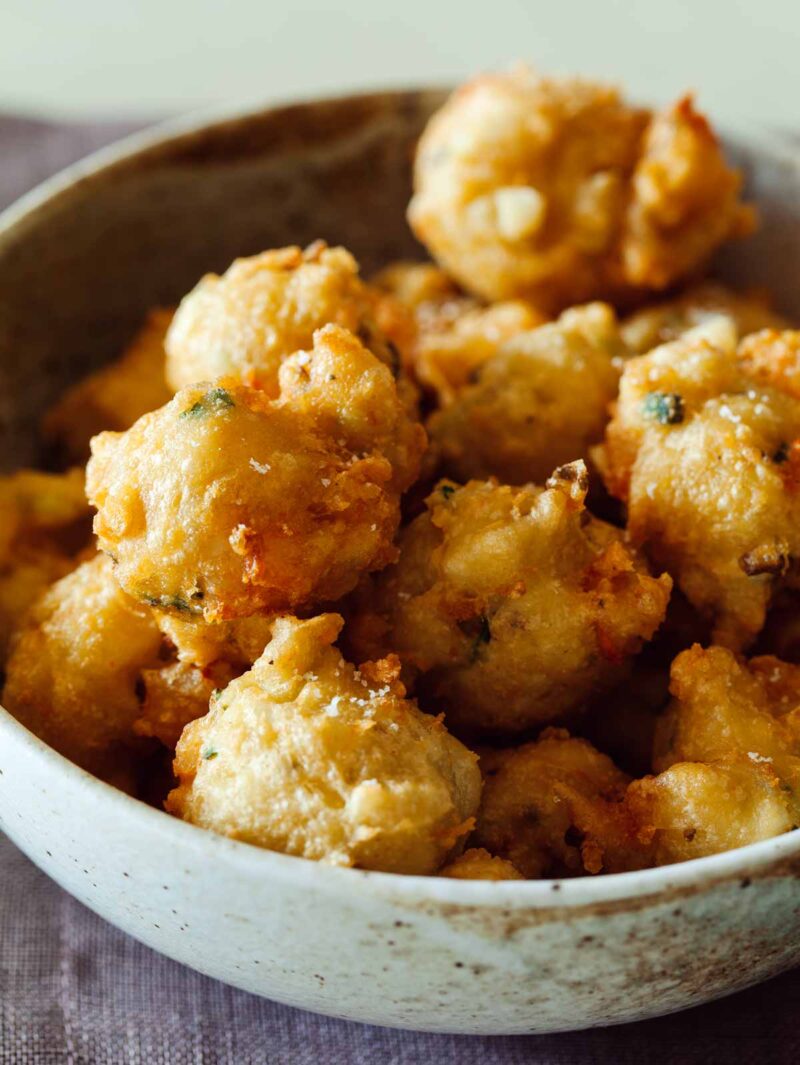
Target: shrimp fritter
column 556, row 807
column 478, row 864
column 175, row 695
column 559, row 192
column 728, row 756
column 263, row 309
column 454, row 334
column 43, row 518
column 115, row 396
column 74, row 665
column 509, row 606
column 226, row 503
column 706, row 456
column 668, row 320
column 539, row 401
column 305, row 754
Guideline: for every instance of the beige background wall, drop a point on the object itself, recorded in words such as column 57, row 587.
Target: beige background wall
column 139, row 57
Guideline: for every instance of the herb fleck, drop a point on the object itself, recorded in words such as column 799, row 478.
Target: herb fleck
column 664, row 407
column 447, row 490
column 781, row 453
column 209, row 753
column 215, row 401
column 483, row 635
column 171, row 602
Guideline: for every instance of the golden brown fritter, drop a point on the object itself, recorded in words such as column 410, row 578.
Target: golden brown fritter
column 42, row 522
column 560, row 192
column 772, row 357
column 307, row 755
column 509, row 606
column 539, row 401
column 200, row 643
column 700, row 305
column 418, row 286
column 454, row 334
column 694, row 809
column 263, row 309
column 225, row 503
column 705, row 458
column 556, row 807
column 727, row 754
column 72, row 673
column 175, row 695
column 725, row 707
column 478, row 864
column 116, row 395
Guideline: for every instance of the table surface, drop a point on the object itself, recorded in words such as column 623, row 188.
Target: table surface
column 74, row 990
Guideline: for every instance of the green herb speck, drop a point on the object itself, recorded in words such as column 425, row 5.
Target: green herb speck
column 215, row 401
column 171, row 602
column 209, row 753
column 483, row 635
column 781, row 453
column 666, row 408
column 447, row 490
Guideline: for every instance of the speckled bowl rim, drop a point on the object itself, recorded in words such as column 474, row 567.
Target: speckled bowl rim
column 571, row 893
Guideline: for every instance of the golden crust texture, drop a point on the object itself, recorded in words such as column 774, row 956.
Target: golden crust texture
column 560, row 192
column 556, row 807
column 43, row 522
column 454, row 333
column 225, row 503
column 509, row 607
column 727, row 753
column 478, row 864
column 307, row 755
column 115, row 396
column 539, row 401
column 72, row 674
column 704, row 456
column 263, row 309
column 699, row 306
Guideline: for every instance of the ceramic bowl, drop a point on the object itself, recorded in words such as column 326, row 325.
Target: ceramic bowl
column 81, row 259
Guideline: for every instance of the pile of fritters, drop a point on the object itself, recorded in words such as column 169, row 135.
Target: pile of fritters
column 455, row 571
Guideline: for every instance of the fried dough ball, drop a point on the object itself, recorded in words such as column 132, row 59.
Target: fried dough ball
column 306, row 755
column 454, row 334
column 704, row 456
column 556, row 808
column 200, row 643
column 700, row 305
column 694, row 809
column 478, row 864
column 418, row 285
column 209, row 656
column 116, row 395
column 72, row 674
column 175, row 695
column 225, row 503
column 247, row 322
column 560, row 192
column 451, row 348
column 540, row 400
column 773, row 358
column 509, row 606
column 725, row 707
column 727, row 753
column 41, row 519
